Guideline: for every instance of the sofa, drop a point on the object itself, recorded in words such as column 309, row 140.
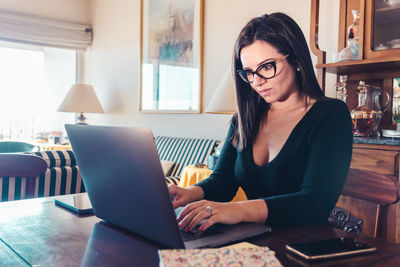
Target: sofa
column 182, row 152
column 62, row 175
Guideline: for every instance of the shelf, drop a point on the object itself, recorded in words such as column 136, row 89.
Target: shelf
column 355, row 66
column 387, row 15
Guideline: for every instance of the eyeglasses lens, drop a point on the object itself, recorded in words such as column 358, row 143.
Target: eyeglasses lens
column 265, row 71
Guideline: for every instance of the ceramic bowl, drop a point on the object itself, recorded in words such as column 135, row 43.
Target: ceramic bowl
column 381, row 47
column 395, row 43
column 392, row 3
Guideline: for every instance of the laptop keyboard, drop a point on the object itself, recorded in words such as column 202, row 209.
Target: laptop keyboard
column 196, row 233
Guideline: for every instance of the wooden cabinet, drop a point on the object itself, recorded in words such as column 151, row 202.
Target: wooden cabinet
column 379, row 27
column 379, row 23
column 376, row 158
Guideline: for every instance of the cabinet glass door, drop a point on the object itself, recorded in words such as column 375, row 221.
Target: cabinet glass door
column 386, row 26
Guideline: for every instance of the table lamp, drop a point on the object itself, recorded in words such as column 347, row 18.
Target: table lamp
column 81, row 98
column 223, row 101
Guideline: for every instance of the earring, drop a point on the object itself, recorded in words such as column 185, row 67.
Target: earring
column 298, row 69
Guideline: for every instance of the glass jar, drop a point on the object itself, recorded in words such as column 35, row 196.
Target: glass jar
column 396, row 103
column 367, row 115
column 341, row 91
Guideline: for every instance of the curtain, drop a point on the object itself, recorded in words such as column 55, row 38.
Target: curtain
column 29, row 29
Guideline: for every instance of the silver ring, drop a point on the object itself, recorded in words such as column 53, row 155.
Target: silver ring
column 209, row 210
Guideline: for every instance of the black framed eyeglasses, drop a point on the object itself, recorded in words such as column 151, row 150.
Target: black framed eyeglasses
column 264, row 71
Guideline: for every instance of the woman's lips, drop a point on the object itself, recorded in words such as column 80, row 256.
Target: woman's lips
column 265, row 92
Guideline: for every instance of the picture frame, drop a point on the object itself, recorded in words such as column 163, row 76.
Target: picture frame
column 171, row 56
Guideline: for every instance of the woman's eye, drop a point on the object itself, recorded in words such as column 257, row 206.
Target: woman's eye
column 267, row 66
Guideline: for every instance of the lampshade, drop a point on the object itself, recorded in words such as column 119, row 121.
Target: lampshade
column 223, row 101
column 81, row 98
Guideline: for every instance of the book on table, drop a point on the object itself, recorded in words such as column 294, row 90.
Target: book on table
column 241, row 254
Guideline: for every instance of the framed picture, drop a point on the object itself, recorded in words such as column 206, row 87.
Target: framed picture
column 171, row 56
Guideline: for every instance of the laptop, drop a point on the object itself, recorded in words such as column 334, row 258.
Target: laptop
column 123, row 177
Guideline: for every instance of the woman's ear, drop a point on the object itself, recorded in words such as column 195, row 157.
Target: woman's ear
column 297, row 66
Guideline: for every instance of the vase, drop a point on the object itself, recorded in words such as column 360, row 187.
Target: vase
column 350, row 52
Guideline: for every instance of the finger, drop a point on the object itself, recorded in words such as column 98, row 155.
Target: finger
column 185, row 220
column 188, row 218
column 175, row 193
column 190, row 207
column 197, row 219
column 209, row 222
column 171, row 188
column 178, row 202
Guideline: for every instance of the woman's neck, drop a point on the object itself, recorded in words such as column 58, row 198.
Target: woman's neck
column 293, row 101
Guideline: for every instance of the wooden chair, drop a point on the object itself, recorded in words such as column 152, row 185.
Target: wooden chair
column 22, row 165
column 382, row 190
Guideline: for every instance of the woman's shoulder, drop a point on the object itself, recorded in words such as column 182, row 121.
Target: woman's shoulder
column 332, row 106
column 331, row 110
column 329, row 102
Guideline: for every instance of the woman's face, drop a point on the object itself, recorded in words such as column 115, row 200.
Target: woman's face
column 282, row 85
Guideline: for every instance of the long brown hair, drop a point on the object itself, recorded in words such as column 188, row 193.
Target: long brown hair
column 285, row 35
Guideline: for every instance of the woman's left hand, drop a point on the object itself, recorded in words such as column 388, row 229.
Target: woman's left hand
column 214, row 212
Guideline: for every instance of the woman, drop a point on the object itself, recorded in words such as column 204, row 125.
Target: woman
column 288, row 146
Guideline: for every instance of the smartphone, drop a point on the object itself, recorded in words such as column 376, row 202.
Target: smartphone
column 78, row 203
column 330, row 248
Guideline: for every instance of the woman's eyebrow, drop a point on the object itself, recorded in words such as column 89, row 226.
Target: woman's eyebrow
column 262, row 62
column 265, row 61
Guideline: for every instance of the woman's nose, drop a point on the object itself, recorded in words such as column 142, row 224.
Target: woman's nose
column 258, row 80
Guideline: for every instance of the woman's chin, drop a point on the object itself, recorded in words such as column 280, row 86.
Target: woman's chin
column 268, row 99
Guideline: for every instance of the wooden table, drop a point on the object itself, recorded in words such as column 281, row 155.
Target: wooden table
column 46, row 235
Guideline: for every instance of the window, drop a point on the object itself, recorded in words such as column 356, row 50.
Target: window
column 34, row 81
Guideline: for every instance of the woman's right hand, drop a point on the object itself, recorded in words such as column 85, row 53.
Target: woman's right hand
column 181, row 196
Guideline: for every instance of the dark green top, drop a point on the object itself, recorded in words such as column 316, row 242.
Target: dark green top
column 303, row 182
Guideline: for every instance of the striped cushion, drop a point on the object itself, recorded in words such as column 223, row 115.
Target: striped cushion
column 184, row 151
column 172, row 180
column 59, row 181
column 57, row 158
column 12, row 188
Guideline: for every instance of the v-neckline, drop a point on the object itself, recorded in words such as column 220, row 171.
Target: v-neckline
column 286, row 142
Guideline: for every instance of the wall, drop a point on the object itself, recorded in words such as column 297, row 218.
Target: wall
column 68, row 10
column 112, row 63
column 328, row 37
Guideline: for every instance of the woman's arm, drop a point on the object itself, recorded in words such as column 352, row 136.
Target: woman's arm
column 221, row 185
